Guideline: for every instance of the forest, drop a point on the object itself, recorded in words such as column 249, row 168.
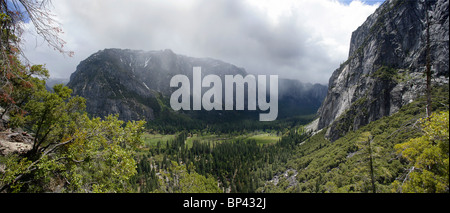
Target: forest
column 378, row 158
column 65, row 149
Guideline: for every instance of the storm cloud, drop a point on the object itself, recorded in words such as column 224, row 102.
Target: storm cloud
column 297, row 39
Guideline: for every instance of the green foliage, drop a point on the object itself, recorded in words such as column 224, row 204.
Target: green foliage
column 344, row 165
column 51, row 116
column 385, row 73
column 178, row 180
column 344, row 122
column 97, row 157
column 103, row 152
column 16, row 166
column 17, row 83
column 239, row 163
column 428, row 156
column 265, row 138
column 75, row 153
column 71, row 152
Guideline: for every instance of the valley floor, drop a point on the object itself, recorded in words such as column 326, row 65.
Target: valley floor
column 369, row 159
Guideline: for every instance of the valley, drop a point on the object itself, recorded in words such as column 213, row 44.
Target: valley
column 290, row 161
column 260, row 137
column 120, row 124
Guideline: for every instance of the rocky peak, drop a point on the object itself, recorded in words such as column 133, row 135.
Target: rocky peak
column 135, row 84
column 386, row 63
column 131, row 82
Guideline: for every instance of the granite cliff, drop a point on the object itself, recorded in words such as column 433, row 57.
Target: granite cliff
column 386, row 64
column 135, row 85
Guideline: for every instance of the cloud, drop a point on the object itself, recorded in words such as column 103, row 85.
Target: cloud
column 299, row 39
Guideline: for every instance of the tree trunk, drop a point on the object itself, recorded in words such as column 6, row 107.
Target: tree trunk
column 428, row 65
column 372, row 176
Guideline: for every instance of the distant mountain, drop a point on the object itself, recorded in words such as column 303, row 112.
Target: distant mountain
column 53, row 81
column 135, row 84
column 386, row 64
column 297, row 98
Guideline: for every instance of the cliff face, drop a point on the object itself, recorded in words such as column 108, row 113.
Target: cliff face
column 386, row 64
column 135, row 85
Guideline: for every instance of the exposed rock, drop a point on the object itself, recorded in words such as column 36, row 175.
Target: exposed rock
column 3, row 120
column 313, row 126
column 130, row 82
column 15, row 142
column 289, row 175
column 136, row 84
column 386, row 65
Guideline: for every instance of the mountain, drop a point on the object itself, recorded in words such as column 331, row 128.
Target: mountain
column 136, row 85
column 297, row 98
column 133, row 83
column 386, row 65
column 53, row 81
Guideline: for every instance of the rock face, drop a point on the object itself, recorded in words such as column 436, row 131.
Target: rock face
column 131, row 82
column 136, row 84
column 386, row 64
column 15, row 142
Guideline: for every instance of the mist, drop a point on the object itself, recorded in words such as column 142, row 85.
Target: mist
column 296, row 39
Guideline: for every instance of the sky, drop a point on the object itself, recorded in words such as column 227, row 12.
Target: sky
column 297, row 39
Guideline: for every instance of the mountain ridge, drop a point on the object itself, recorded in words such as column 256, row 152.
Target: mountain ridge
column 135, row 85
column 386, row 64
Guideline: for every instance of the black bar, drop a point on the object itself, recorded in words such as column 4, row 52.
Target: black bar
column 273, row 202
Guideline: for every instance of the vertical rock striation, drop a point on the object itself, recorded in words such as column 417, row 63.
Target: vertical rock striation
column 386, row 64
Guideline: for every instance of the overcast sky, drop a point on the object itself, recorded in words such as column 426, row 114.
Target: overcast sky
column 299, row 39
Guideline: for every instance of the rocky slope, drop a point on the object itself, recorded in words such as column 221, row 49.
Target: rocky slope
column 386, row 64
column 13, row 141
column 135, row 84
column 131, row 82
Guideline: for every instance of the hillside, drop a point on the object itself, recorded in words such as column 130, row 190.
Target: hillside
column 112, row 130
column 386, row 65
column 136, row 85
column 375, row 108
column 343, row 166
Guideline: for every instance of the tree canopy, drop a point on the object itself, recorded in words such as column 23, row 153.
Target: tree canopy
column 428, row 156
column 71, row 152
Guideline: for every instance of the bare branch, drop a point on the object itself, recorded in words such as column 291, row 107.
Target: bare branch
column 39, row 14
